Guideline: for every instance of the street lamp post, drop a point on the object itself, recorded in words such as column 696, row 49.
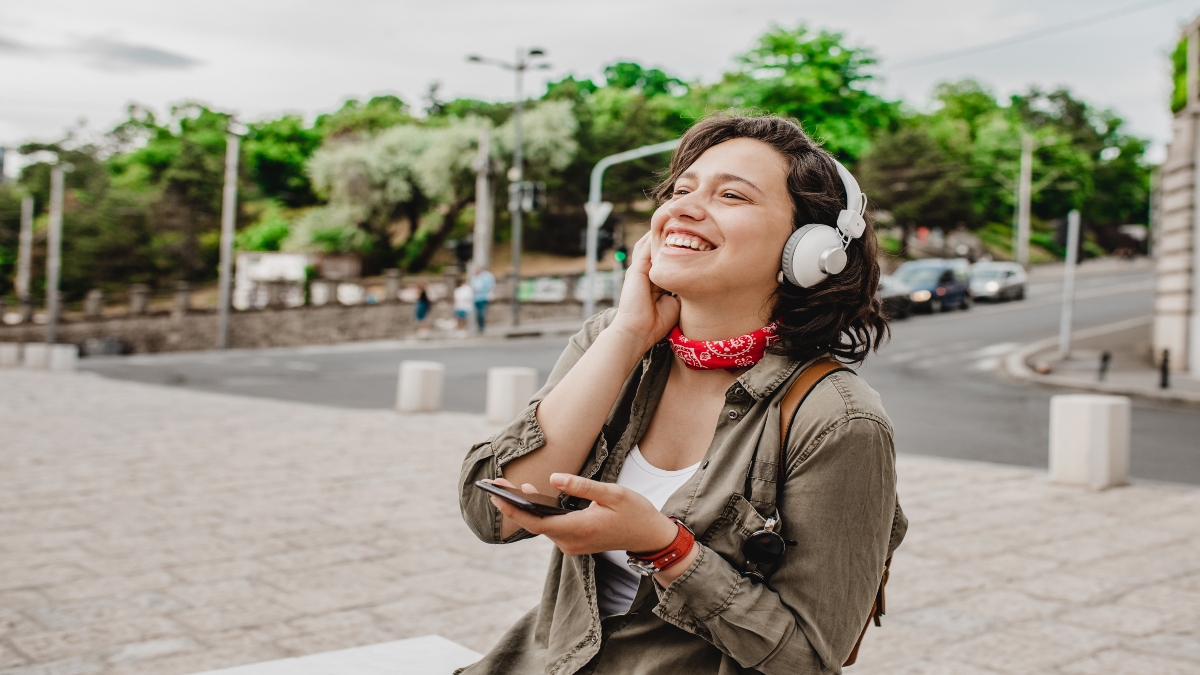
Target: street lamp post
column 228, row 223
column 523, row 62
column 54, row 251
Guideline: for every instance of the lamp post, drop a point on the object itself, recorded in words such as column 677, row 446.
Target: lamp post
column 228, row 222
column 524, row 61
column 54, row 250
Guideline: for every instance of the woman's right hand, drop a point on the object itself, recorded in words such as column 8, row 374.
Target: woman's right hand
column 646, row 312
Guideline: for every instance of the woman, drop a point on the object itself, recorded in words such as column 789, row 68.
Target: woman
column 644, row 428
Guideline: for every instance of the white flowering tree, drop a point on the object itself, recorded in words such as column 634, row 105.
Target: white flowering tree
column 405, row 187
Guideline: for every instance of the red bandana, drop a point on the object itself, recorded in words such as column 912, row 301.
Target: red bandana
column 739, row 352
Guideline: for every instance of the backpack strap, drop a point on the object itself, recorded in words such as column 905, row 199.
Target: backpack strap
column 788, row 408
column 792, row 399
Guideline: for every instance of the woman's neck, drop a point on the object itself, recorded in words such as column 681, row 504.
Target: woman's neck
column 703, row 321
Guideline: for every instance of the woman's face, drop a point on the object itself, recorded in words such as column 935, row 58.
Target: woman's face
column 722, row 232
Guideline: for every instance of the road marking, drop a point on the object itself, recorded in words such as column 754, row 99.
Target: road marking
column 301, row 365
column 995, row 350
column 1090, row 294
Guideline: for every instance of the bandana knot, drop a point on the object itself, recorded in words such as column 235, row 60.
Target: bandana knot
column 742, row 351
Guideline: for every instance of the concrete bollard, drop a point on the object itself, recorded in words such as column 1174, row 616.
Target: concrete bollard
column 139, row 299
column 93, row 305
column 391, row 285
column 420, row 386
column 508, row 392
column 183, row 300
column 35, row 355
column 62, row 358
column 1089, row 440
column 10, row 354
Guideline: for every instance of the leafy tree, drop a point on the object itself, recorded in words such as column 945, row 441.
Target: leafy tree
column 276, row 152
column 356, row 118
column 814, row 77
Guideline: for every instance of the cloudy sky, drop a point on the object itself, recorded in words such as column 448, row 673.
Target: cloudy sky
column 66, row 60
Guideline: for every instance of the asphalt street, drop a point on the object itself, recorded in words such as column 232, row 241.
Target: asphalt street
column 939, row 377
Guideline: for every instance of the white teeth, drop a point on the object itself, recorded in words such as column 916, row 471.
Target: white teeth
column 687, row 241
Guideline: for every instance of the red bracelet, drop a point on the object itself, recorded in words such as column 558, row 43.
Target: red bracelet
column 647, row 564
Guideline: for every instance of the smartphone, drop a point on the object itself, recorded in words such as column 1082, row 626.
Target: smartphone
column 537, row 504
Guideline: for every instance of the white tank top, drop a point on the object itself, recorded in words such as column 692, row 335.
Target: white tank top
column 616, row 584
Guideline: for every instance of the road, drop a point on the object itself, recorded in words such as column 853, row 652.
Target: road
column 938, row 377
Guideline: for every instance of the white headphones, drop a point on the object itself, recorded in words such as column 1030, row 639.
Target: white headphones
column 815, row 252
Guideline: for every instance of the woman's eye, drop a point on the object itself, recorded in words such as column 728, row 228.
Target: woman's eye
column 730, row 195
column 680, row 192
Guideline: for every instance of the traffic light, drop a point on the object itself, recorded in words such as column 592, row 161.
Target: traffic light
column 526, row 195
column 621, row 254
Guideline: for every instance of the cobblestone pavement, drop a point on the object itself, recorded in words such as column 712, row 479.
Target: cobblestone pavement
column 156, row 530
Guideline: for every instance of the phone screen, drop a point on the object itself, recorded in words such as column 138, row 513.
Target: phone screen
column 536, row 504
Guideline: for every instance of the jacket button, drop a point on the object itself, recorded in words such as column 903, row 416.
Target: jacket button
column 593, row 639
column 733, row 414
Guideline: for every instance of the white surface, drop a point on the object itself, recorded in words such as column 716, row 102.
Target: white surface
column 34, row 355
column 428, row 655
column 508, row 392
column 616, row 583
column 1089, row 440
column 62, row 358
column 10, row 355
column 420, row 386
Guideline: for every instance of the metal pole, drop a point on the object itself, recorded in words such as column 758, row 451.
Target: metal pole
column 25, row 249
column 519, row 167
column 483, row 204
column 1064, row 323
column 1025, row 189
column 228, row 215
column 54, row 254
column 597, row 212
column 1192, row 356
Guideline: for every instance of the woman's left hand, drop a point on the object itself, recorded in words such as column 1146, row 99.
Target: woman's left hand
column 618, row 519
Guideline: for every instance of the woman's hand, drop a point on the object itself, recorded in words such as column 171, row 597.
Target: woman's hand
column 645, row 311
column 618, row 519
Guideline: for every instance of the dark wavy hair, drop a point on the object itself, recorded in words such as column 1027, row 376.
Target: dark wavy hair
column 842, row 314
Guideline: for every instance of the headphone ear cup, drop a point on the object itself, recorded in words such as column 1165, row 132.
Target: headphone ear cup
column 802, row 255
column 789, row 251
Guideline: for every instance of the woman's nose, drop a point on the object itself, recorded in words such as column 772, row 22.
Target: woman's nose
column 686, row 206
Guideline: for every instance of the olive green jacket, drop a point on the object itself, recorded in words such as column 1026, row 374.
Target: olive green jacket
column 838, row 503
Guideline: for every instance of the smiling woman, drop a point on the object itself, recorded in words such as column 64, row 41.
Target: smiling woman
column 730, row 485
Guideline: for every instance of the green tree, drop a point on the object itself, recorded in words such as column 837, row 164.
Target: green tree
column 814, row 77
column 276, row 152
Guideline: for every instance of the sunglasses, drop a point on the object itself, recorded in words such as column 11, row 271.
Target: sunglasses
column 764, row 547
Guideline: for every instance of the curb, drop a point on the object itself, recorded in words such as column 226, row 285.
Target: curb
column 1016, row 367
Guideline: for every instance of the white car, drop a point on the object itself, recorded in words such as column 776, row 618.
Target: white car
column 998, row 281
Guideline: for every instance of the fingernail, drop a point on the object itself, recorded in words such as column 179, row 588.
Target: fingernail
column 559, row 479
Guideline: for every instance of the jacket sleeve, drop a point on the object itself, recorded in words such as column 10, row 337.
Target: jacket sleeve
column 486, row 460
column 838, row 503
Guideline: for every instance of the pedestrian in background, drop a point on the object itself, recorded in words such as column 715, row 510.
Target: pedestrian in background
column 482, row 283
column 423, row 305
column 463, row 304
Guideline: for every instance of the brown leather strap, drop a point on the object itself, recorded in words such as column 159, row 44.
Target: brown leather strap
column 801, row 387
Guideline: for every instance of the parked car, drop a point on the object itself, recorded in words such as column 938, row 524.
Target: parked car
column 937, row 284
column 895, row 297
column 998, row 281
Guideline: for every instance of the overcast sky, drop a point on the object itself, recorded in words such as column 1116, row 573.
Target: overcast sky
column 66, row 60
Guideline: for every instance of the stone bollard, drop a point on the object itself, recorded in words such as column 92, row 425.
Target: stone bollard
column 183, row 300
column 391, row 285
column 10, row 354
column 420, row 386
column 63, row 358
column 1089, row 440
column 93, row 305
column 34, row 355
column 508, row 392
column 139, row 298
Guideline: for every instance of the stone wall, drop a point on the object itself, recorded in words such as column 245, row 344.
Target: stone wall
column 328, row 324
column 1173, row 244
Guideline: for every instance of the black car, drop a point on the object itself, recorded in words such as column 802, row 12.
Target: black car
column 895, row 297
column 937, row 284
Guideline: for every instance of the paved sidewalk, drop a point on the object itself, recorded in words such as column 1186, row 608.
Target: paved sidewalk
column 158, row 530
